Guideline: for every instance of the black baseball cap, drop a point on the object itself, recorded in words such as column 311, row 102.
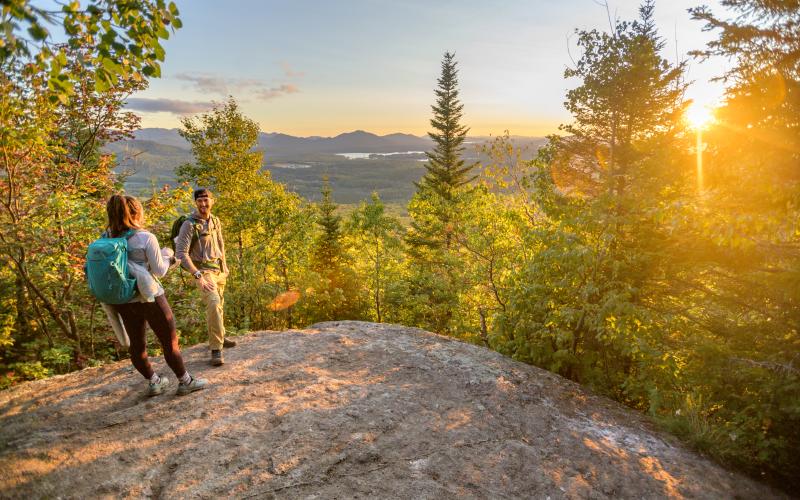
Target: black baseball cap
column 202, row 193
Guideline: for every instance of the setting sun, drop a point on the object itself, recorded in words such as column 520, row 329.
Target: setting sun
column 699, row 115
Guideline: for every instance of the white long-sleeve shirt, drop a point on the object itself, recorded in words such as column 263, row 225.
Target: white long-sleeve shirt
column 143, row 249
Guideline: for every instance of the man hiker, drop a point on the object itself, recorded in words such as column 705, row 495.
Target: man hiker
column 200, row 248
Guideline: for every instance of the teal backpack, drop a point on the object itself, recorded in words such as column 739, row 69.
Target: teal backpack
column 107, row 269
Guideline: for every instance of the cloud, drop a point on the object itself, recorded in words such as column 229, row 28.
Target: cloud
column 167, row 105
column 217, row 85
column 205, row 83
column 273, row 92
column 213, row 84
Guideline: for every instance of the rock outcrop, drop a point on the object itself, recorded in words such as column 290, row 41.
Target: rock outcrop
column 342, row 410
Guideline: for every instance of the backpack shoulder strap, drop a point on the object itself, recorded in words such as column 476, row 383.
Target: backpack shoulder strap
column 195, row 234
column 127, row 234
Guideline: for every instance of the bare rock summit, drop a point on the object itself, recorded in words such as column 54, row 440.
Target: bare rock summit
column 342, row 410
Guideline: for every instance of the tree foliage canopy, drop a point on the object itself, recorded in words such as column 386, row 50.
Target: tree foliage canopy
column 114, row 40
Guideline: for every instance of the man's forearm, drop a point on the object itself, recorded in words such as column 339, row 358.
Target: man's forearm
column 186, row 262
column 188, row 265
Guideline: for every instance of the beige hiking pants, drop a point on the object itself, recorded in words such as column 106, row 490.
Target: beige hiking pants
column 214, row 301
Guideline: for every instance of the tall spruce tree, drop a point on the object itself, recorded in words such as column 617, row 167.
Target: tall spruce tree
column 446, row 171
column 433, row 208
column 437, row 280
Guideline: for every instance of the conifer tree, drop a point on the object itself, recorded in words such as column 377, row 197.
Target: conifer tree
column 328, row 246
column 437, row 280
column 433, row 209
column 628, row 106
column 333, row 291
column 446, row 171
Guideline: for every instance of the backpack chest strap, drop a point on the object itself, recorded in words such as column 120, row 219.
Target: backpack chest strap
column 213, row 228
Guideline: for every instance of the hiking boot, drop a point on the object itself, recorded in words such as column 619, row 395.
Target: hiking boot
column 216, row 358
column 156, row 389
column 195, row 385
column 227, row 344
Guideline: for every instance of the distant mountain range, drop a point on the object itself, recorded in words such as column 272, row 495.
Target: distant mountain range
column 358, row 141
column 275, row 143
column 150, row 159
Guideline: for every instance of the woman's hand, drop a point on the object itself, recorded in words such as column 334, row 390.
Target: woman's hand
column 168, row 255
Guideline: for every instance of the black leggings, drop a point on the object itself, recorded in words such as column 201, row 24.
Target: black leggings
column 136, row 316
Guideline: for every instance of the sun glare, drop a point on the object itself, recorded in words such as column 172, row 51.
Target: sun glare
column 699, row 116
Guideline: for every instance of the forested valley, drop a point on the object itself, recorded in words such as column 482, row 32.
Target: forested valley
column 655, row 261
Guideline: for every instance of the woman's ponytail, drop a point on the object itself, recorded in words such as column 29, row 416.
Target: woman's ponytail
column 124, row 212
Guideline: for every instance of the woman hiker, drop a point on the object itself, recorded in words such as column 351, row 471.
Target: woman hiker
column 126, row 213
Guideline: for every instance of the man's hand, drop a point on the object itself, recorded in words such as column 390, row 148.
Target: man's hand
column 207, row 285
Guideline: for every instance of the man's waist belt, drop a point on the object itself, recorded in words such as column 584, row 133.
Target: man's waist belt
column 211, row 265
